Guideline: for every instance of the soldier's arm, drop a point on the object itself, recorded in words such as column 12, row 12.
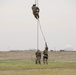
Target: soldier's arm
column 38, row 10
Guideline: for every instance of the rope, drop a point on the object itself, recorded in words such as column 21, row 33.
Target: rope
column 37, row 36
column 42, row 31
column 36, row 2
column 39, row 26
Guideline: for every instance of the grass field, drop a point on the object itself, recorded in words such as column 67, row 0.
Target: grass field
column 27, row 66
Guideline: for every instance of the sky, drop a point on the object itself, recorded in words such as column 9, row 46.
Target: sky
column 18, row 27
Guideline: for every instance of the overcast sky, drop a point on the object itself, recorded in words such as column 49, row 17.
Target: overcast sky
column 18, row 27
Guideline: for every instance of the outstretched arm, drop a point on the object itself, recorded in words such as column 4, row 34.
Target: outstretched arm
column 46, row 47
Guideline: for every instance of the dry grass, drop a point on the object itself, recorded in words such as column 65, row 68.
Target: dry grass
column 40, row 72
column 22, row 62
column 65, row 56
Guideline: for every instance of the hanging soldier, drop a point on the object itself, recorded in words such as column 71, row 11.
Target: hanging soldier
column 35, row 10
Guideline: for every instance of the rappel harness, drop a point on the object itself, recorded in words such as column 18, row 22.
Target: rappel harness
column 39, row 26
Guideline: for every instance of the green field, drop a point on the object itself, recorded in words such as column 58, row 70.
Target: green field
column 23, row 63
column 28, row 67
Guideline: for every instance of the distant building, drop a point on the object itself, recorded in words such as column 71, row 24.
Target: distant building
column 51, row 50
column 62, row 50
column 68, row 48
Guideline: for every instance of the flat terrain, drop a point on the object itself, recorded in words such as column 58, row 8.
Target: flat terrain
column 56, row 55
column 23, row 62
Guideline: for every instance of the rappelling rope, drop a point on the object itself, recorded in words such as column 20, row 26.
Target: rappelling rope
column 37, row 36
column 39, row 26
column 36, row 2
column 41, row 30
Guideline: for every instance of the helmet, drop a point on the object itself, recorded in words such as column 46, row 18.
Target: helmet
column 34, row 4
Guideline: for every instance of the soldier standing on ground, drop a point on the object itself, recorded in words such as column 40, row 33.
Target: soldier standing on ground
column 45, row 54
column 38, row 57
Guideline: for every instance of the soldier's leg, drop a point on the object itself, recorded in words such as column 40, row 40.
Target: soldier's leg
column 36, row 16
column 47, row 59
column 39, row 60
column 36, row 60
column 43, row 59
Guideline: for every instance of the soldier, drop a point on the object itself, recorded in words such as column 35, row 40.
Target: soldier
column 45, row 54
column 38, row 57
column 35, row 10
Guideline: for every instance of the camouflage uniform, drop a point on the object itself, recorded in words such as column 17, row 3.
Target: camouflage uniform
column 45, row 55
column 35, row 11
column 38, row 57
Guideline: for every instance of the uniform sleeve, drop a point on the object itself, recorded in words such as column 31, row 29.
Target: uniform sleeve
column 38, row 9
